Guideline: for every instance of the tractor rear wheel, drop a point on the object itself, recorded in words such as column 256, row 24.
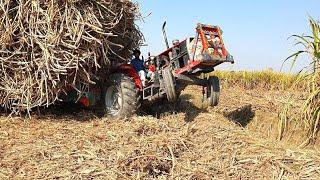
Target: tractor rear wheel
column 169, row 85
column 213, row 90
column 120, row 96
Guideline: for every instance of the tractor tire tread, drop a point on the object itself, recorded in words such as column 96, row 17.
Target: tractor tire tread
column 169, row 84
column 130, row 95
column 213, row 90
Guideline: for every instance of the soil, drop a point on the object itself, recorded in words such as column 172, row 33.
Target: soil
column 187, row 140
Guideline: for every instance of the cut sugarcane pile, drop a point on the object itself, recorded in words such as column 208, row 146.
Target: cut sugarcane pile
column 49, row 45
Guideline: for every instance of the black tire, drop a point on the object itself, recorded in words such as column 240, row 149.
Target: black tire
column 213, row 91
column 169, row 85
column 120, row 97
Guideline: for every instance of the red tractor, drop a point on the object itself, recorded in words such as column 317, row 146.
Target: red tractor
column 171, row 71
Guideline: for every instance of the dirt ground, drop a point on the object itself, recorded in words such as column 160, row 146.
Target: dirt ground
column 236, row 140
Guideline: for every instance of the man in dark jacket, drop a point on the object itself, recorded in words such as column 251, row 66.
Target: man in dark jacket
column 138, row 64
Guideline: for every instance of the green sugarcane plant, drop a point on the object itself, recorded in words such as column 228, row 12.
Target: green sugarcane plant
column 311, row 107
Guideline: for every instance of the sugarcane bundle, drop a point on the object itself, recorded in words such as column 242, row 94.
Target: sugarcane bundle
column 49, row 45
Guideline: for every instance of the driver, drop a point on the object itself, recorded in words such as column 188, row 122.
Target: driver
column 138, row 64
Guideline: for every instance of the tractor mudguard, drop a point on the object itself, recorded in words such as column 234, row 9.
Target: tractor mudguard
column 131, row 72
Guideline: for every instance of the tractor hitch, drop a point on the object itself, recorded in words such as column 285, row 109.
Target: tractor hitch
column 193, row 80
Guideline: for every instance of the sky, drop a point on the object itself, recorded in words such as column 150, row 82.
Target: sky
column 255, row 31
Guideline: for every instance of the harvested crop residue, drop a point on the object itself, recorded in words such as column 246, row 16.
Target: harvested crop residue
column 192, row 143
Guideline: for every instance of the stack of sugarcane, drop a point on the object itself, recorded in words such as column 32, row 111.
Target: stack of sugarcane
column 49, row 45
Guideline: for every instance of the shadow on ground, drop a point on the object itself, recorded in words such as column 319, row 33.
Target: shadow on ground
column 243, row 115
column 158, row 109
column 67, row 111
column 60, row 111
column 163, row 108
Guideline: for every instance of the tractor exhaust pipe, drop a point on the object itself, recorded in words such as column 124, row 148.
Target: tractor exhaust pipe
column 165, row 34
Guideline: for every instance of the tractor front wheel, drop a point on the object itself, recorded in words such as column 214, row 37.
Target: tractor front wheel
column 169, row 85
column 213, row 90
column 120, row 96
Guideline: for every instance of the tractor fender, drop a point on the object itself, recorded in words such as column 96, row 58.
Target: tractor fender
column 129, row 70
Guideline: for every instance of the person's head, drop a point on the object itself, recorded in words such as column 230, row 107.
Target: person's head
column 175, row 42
column 136, row 53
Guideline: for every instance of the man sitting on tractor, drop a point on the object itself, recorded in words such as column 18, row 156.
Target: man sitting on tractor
column 139, row 66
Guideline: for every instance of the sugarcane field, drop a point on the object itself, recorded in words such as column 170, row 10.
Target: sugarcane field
column 138, row 89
